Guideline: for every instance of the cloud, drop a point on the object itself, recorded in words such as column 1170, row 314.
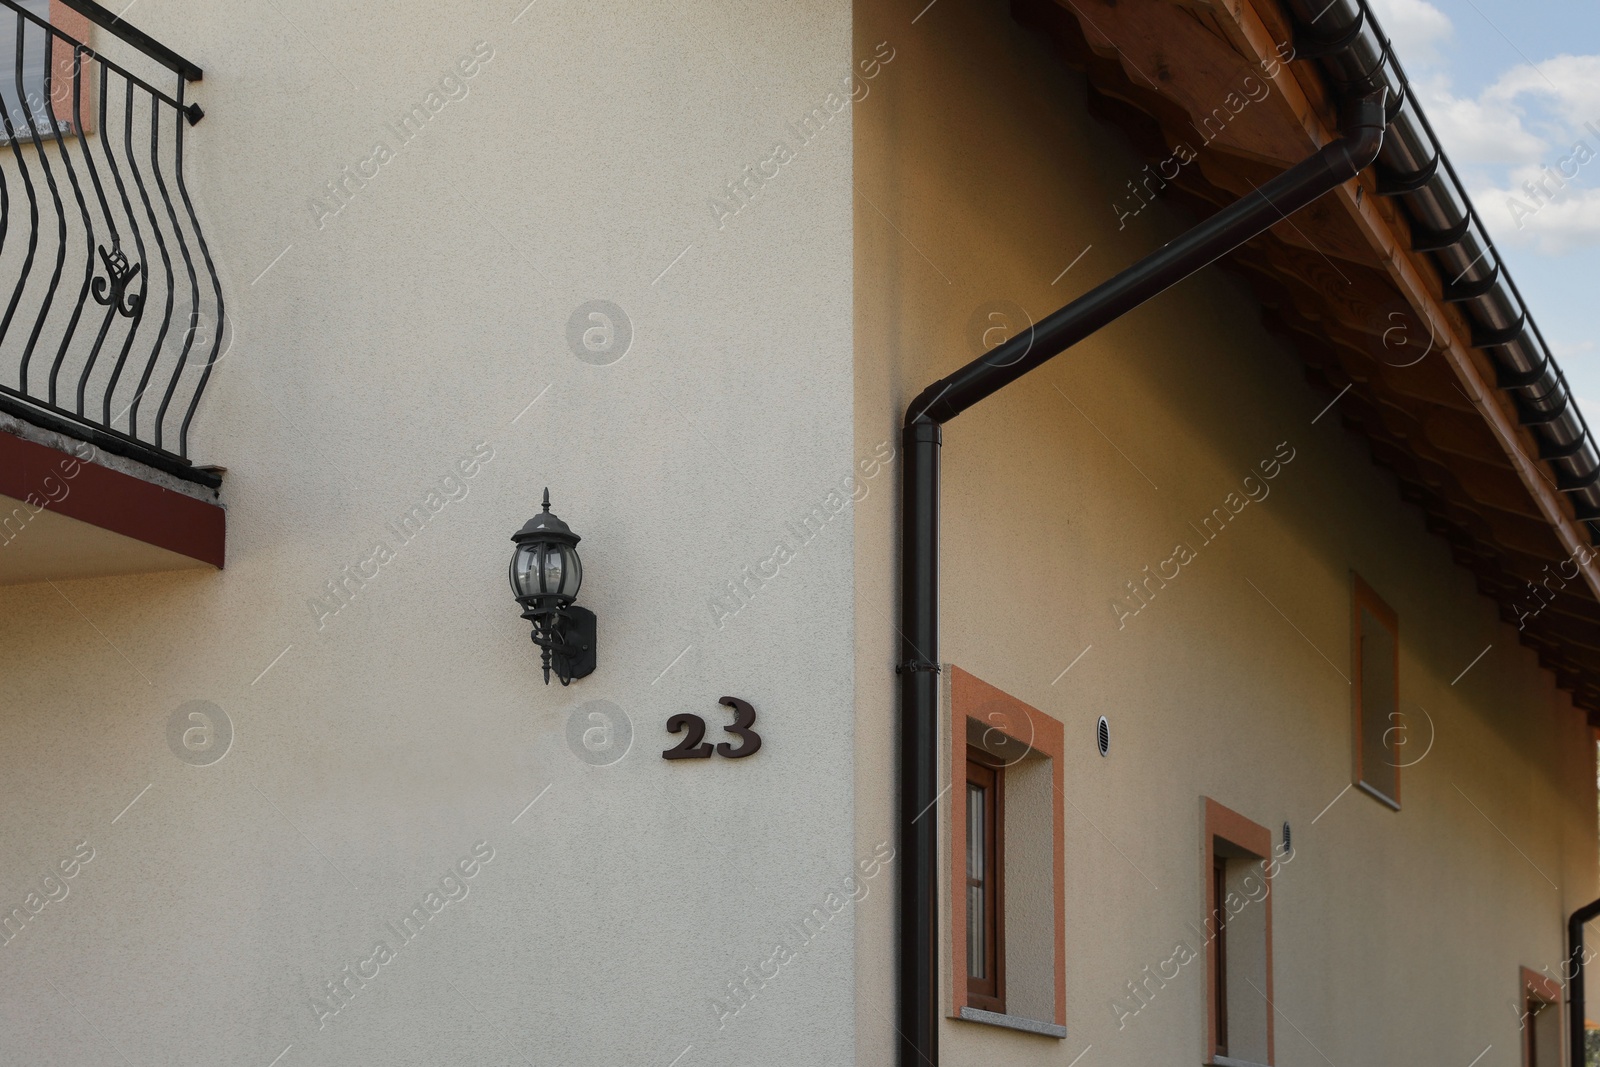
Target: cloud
column 1554, row 226
column 1569, row 85
column 1524, row 127
column 1486, row 130
column 1416, row 27
column 1548, row 195
column 1569, row 225
column 1528, row 116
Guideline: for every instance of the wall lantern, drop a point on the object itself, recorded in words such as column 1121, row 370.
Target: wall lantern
column 545, row 576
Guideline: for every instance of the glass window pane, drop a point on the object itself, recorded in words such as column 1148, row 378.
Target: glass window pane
column 976, row 845
column 1380, row 724
column 977, row 848
column 977, row 944
column 31, row 101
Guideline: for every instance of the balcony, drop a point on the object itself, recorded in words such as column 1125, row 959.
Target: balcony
column 111, row 313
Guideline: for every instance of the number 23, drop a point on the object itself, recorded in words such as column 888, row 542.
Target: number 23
column 694, row 727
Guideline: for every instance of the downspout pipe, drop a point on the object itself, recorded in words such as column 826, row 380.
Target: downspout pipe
column 1575, row 925
column 918, row 965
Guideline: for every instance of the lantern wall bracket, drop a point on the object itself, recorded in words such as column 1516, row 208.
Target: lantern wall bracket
column 573, row 654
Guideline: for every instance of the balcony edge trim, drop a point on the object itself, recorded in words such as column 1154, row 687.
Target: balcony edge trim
column 112, row 500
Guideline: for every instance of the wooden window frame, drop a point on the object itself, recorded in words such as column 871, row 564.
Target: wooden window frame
column 1219, row 822
column 77, row 26
column 1363, row 596
column 1536, row 986
column 1219, row 957
column 969, row 698
column 990, row 993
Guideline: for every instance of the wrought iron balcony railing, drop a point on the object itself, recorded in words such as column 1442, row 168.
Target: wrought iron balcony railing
column 111, row 313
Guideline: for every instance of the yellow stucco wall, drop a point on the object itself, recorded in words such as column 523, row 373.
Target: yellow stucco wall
column 980, row 177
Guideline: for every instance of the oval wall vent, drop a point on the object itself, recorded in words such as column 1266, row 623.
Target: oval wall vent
column 1102, row 736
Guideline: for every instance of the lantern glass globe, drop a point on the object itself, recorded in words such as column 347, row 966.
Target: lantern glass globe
column 546, row 569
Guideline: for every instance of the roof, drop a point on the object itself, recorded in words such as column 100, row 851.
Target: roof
column 1390, row 289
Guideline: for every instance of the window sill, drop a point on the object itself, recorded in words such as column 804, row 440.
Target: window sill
column 1017, row 1022
column 1229, row 1061
column 1377, row 795
column 24, row 138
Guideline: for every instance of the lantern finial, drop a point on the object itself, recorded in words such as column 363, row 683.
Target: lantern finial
column 547, row 498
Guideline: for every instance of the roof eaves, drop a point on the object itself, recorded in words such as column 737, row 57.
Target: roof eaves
column 1347, row 43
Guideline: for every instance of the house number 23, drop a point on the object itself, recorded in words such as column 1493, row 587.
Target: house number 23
column 694, row 730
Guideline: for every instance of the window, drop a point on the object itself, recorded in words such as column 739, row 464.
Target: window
column 1375, row 693
column 986, row 986
column 1238, row 937
column 33, row 53
column 1541, row 1021
column 1006, row 860
column 42, row 55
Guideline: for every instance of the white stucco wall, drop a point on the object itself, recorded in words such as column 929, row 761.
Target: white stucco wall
column 424, row 325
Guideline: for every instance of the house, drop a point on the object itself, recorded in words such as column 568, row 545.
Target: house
column 1048, row 533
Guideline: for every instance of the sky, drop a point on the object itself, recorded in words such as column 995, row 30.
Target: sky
column 1509, row 86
